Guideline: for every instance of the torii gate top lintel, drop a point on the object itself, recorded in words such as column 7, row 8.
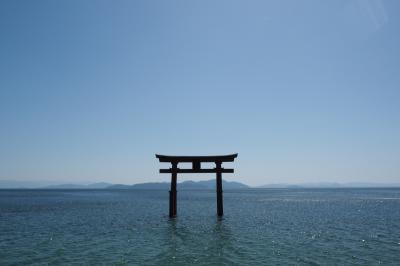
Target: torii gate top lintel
column 187, row 159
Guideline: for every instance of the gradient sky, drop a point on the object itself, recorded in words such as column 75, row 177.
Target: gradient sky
column 304, row 91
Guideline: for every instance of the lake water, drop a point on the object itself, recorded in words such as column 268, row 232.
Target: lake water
column 260, row 227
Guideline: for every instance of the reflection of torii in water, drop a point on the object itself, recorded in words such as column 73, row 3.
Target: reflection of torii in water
column 217, row 243
column 196, row 168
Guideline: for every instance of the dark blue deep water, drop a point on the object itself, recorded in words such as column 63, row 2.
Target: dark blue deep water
column 260, row 227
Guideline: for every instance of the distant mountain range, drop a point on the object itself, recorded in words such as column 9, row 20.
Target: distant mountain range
column 208, row 184
column 331, row 185
column 101, row 185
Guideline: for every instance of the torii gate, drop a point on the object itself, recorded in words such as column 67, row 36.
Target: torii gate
column 196, row 168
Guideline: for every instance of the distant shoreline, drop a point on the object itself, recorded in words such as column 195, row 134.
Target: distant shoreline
column 189, row 185
column 198, row 189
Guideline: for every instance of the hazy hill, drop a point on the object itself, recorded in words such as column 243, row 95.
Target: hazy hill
column 100, row 185
column 208, row 184
column 331, row 185
column 7, row 184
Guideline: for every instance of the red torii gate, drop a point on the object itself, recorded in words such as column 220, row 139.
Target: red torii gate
column 196, row 168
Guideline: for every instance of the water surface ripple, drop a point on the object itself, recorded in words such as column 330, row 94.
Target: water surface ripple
column 260, row 227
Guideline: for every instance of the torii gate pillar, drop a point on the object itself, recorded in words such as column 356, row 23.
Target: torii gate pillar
column 220, row 204
column 173, row 192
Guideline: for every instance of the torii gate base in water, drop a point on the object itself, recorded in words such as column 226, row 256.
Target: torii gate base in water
column 196, row 168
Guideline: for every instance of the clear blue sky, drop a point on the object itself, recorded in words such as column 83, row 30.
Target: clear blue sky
column 304, row 91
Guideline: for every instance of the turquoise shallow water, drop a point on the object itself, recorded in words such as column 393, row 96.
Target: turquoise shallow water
column 260, row 227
